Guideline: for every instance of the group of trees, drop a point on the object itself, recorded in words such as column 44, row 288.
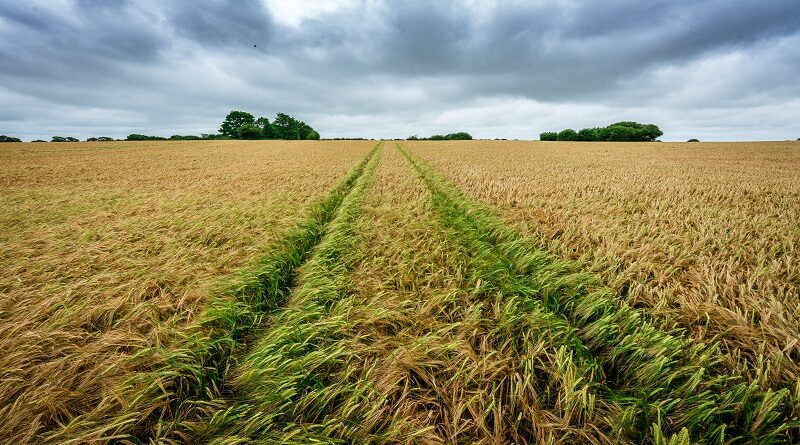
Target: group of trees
column 460, row 136
column 619, row 132
column 4, row 138
column 243, row 125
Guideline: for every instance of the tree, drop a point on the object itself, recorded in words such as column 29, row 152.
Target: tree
column 630, row 124
column 64, row 139
column 460, row 136
column 600, row 134
column 233, row 121
column 266, row 129
column 312, row 135
column 4, row 138
column 248, row 131
column 693, row 140
column 548, row 136
column 650, row 132
column 622, row 133
column 286, row 127
column 586, row 134
column 568, row 135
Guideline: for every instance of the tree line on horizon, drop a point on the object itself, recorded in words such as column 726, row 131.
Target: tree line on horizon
column 243, row 125
column 237, row 125
column 459, row 136
column 626, row 131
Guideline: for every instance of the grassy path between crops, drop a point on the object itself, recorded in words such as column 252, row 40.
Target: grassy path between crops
column 162, row 403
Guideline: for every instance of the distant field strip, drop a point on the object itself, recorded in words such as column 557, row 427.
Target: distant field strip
column 630, row 379
column 160, row 404
column 283, row 386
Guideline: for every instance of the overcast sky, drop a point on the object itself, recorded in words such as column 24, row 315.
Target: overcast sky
column 714, row 70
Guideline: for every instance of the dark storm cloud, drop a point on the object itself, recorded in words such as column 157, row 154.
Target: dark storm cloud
column 80, row 39
column 551, row 51
column 237, row 24
column 386, row 68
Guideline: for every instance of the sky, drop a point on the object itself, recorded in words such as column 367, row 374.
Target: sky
column 706, row 69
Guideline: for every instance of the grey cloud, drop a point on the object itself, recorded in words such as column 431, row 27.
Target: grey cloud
column 397, row 66
column 541, row 51
column 72, row 45
column 242, row 24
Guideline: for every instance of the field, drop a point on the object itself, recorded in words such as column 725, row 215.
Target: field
column 234, row 292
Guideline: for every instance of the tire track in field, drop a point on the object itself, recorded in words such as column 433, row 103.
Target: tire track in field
column 654, row 382
column 442, row 361
column 166, row 401
column 284, row 387
column 384, row 342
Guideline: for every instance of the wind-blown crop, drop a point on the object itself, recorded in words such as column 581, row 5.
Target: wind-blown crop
column 659, row 380
column 182, row 380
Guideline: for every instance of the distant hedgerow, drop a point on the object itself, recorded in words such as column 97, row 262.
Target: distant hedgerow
column 459, row 136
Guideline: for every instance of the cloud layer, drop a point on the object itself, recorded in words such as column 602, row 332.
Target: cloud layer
column 715, row 70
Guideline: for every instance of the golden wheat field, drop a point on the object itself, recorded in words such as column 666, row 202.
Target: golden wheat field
column 491, row 292
column 105, row 246
column 703, row 235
